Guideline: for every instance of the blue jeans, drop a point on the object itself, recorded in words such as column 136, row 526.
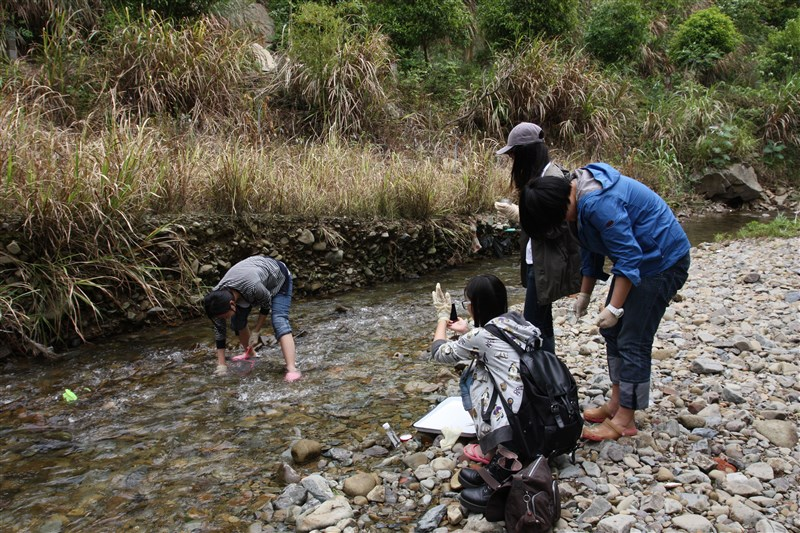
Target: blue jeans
column 629, row 344
column 540, row 316
column 281, row 303
column 279, row 310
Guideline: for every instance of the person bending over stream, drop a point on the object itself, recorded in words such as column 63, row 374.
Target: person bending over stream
column 619, row 218
column 260, row 281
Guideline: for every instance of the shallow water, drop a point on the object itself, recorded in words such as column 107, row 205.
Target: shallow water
column 155, row 442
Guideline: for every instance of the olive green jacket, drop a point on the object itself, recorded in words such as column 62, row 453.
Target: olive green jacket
column 556, row 258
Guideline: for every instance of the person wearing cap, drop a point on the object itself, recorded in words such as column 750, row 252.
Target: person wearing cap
column 256, row 281
column 550, row 262
column 621, row 219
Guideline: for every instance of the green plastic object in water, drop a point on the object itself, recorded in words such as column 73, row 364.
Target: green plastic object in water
column 69, row 396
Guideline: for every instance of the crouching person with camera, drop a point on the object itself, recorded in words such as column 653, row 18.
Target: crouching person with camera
column 490, row 360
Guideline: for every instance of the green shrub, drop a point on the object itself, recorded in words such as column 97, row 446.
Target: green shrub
column 703, row 39
column 341, row 90
column 781, row 226
column 616, row 30
column 749, row 16
column 316, row 35
column 505, row 23
column 421, row 23
column 724, row 144
column 780, row 56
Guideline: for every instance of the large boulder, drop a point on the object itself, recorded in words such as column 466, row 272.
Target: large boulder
column 734, row 185
column 250, row 16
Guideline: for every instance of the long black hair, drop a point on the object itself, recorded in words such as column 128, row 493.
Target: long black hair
column 543, row 205
column 488, row 297
column 529, row 162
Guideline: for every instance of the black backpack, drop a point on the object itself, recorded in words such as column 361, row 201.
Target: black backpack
column 549, row 420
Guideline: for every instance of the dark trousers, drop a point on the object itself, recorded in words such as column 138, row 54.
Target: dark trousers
column 540, row 316
column 629, row 344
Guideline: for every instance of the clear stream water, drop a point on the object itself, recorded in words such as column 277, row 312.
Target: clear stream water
column 155, row 441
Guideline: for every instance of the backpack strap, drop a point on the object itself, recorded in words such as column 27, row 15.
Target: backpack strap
column 541, row 383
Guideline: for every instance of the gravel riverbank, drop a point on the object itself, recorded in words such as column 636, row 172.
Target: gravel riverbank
column 716, row 451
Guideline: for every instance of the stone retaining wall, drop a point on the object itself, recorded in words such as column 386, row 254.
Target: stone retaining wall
column 326, row 256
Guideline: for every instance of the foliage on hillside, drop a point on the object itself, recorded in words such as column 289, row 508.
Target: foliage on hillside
column 714, row 89
column 115, row 110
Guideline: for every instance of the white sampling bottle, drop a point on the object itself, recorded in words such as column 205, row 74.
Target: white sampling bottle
column 393, row 438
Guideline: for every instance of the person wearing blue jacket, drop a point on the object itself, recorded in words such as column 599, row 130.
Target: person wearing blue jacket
column 621, row 219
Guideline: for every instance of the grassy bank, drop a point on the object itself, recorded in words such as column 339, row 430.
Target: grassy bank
column 114, row 113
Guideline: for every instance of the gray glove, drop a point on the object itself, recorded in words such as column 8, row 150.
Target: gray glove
column 609, row 317
column 581, row 304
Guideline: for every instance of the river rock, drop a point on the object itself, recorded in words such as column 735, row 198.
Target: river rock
column 692, row 523
column 306, row 237
column 733, row 185
column 691, row 421
column 595, row 512
column 327, row 514
column 443, row 463
column 294, row 494
column 738, row 483
column 306, row 450
column 781, row 433
column 287, row 474
column 377, row 494
column 745, row 515
column 420, row 387
column 415, row 459
column 769, row 526
column 359, row 484
column 13, row 248
column 616, row 524
column 707, row 366
column 430, row 520
column 318, row 487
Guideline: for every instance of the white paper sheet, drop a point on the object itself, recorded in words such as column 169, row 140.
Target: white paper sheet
column 449, row 412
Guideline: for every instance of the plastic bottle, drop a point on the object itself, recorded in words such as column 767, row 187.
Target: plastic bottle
column 393, row 438
column 453, row 313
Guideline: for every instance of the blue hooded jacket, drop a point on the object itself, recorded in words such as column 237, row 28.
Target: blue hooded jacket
column 628, row 223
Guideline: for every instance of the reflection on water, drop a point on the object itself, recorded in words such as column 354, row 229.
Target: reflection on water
column 704, row 229
column 155, row 441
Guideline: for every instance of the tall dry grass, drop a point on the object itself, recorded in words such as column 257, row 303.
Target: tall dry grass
column 84, row 193
column 579, row 107
column 348, row 94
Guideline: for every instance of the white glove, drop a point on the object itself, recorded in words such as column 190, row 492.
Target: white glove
column 581, row 304
column 442, row 303
column 510, row 211
column 222, row 370
column 607, row 319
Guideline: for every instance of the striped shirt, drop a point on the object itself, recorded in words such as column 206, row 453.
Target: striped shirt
column 257, row 279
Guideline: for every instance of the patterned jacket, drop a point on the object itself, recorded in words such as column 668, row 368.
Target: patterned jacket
column 487, row 353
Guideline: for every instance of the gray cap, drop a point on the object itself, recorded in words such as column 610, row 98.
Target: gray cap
column 523, row 133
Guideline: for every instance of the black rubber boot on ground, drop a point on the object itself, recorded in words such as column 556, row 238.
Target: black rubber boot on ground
column 470, row 478
column 475, row 498
column 476, row 493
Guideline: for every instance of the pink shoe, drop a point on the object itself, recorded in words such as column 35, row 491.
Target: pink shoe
column 292, row 376
column 473, row 452
column 244, row 356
